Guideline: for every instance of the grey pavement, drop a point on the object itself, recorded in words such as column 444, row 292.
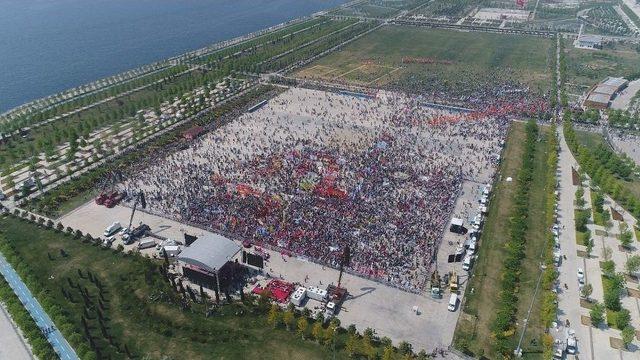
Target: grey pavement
column 13, row 344
column 569, row 299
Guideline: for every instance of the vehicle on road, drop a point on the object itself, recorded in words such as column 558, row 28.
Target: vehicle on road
column 557, row 258
column 558, row 354
column 572, row 344
column 453, row 302
column 145, row 244
column 170, row 250
column 467, row 263
column 137, row 233
column 112, row 229
column 580, row 276
column 108, row 241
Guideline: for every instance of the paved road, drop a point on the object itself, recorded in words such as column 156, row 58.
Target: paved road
column 59, row 343
column 569, row 299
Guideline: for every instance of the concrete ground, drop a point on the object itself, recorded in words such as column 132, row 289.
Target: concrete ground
column 568, row 300
column 622, row 101
column 626, row 143
column 380, row 307
column 14, row 346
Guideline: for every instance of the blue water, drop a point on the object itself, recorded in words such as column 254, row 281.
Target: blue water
column 51, row 45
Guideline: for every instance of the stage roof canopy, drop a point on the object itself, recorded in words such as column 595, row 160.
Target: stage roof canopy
column 210, row 252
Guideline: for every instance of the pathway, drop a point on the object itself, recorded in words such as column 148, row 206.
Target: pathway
column 13, row 344
column 568, row 300
column 57, row 340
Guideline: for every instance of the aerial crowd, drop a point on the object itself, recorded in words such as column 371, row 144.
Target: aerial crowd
column 312, row 172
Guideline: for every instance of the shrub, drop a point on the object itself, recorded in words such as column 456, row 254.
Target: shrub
column 622, row 319
column 597, row 314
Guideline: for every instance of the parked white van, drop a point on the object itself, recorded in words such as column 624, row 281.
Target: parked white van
column 112, row 229
column 453, row 302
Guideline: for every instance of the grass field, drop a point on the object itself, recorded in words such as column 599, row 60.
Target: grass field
column 587, row 67
column 456, row 61
column 139, row 308
column 473, row 328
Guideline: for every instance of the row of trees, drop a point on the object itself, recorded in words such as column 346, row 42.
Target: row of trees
column 333, row 336
column 36, row 118
column 624, row 119
column 50, row 202
column 602, row 173
column 549, row 307
column 503, row 326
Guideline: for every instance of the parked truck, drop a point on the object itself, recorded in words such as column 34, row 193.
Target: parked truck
column 112, row 229
column 170, row 250
column 453, row 282
column 146, row 244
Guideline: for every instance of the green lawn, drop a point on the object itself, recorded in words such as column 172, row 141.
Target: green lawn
column 588, row 67
column 137, row 306
column 535, row 243
column 590, row 139
column 458, row 59
column 473, row 328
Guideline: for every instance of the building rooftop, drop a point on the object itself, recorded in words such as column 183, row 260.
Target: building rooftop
column 209, row 252
column 598, row 98
column 590, row 38
column 614, row 81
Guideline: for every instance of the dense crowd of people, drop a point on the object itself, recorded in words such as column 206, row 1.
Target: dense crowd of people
column 312, row 172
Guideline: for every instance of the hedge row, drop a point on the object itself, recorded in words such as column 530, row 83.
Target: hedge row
column 503, row 326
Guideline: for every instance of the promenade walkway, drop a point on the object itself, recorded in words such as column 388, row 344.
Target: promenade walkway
column 57, row 340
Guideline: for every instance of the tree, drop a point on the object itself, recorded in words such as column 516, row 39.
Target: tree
column 303, row 325
column 628, row 333
column 405, row 348
column 622, row 319
column 274, row 315
column 350, row 345
column 612, row 299
column 288, row 317
column 367, row 348
column 589, row 246
column 586, row 291
column 633, row 264
column 316, row 330
column 597, row 314
column 329, row 335
column 626, row 238
column 387, row 354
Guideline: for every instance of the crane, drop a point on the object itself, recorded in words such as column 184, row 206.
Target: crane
column 139, row 199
